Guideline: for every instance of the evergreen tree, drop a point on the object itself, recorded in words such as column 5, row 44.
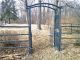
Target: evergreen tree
column 8, row 10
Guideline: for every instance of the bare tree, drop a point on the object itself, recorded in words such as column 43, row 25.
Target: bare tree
column 40, row 17
column 71, row 11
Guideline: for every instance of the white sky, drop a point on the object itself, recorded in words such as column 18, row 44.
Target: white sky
column 45, row 0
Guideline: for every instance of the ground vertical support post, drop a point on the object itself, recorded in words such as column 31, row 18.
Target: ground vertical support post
column 57, row 29
column 30, row 33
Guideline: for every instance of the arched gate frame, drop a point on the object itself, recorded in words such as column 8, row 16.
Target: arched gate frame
column 57, row 23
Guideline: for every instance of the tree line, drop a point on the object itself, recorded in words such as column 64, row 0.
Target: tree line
column 70, row 12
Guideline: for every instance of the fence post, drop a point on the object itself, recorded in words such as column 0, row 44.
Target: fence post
column 71, row 28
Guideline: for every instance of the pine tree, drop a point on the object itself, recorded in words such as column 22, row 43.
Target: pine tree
column 8, row 10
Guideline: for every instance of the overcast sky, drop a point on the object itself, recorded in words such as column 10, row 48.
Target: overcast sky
column 19, row 5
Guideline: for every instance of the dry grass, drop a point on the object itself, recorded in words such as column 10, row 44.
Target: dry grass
column 43, row 50
column 13, row 31
column 9, row 37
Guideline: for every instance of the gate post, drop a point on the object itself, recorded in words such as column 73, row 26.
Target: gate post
column 57, row 29
column 30, row 33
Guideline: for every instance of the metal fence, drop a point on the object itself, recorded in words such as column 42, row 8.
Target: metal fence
column 15, row 41
column 70, row 32
column 70, row 28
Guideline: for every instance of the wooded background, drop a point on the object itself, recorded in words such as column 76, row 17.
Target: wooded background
column 14, row 11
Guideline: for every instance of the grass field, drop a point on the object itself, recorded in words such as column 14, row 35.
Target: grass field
column 42, row 49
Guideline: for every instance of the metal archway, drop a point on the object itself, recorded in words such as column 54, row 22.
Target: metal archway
column 57, row 23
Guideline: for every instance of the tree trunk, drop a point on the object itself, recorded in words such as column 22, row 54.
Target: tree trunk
column 9, row 21
column 40, row 17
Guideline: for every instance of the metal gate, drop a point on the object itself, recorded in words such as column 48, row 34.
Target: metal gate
column 57, row 20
